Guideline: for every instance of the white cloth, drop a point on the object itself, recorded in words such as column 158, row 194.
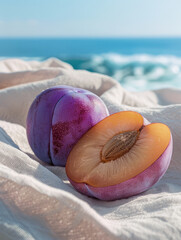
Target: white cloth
column 37, row 201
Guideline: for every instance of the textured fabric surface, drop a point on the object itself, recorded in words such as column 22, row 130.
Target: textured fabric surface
column 38, row 202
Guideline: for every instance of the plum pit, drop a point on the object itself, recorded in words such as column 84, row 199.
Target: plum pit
column 118, row 145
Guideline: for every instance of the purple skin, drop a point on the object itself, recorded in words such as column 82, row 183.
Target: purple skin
column 58, row 117
column 133, row 186
column 39, row 121
column 80, row 113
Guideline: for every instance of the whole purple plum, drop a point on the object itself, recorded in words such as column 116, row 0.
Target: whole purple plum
column 57, row 119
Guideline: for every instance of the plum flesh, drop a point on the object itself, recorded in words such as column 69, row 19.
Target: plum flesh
column 133, row 186
column 113, row 173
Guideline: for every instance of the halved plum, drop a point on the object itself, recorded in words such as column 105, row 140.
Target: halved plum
column 120, row 156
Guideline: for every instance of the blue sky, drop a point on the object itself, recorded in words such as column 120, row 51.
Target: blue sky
column 90, row 18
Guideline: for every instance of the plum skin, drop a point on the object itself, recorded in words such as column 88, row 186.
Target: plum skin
column 133, row 186
column 57, row 119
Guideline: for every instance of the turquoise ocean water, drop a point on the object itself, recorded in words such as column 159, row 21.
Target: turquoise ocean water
column 138, row 64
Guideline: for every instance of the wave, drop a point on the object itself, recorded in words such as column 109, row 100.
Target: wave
column 136, row 72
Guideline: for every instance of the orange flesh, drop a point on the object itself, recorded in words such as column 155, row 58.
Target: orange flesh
column 85, row 165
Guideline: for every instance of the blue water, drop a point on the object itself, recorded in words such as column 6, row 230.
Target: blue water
column 138, row 64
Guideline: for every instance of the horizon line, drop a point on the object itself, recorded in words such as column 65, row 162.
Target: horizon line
column 90, row 37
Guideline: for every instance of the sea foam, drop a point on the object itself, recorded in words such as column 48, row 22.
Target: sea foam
column 135, row 72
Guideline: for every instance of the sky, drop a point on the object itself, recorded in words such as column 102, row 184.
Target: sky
column 90, row 18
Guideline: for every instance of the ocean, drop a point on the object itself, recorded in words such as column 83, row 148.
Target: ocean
column 139, row 64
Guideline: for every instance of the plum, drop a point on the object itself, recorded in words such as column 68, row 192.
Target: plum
column 58, row 117
column 121, row 156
